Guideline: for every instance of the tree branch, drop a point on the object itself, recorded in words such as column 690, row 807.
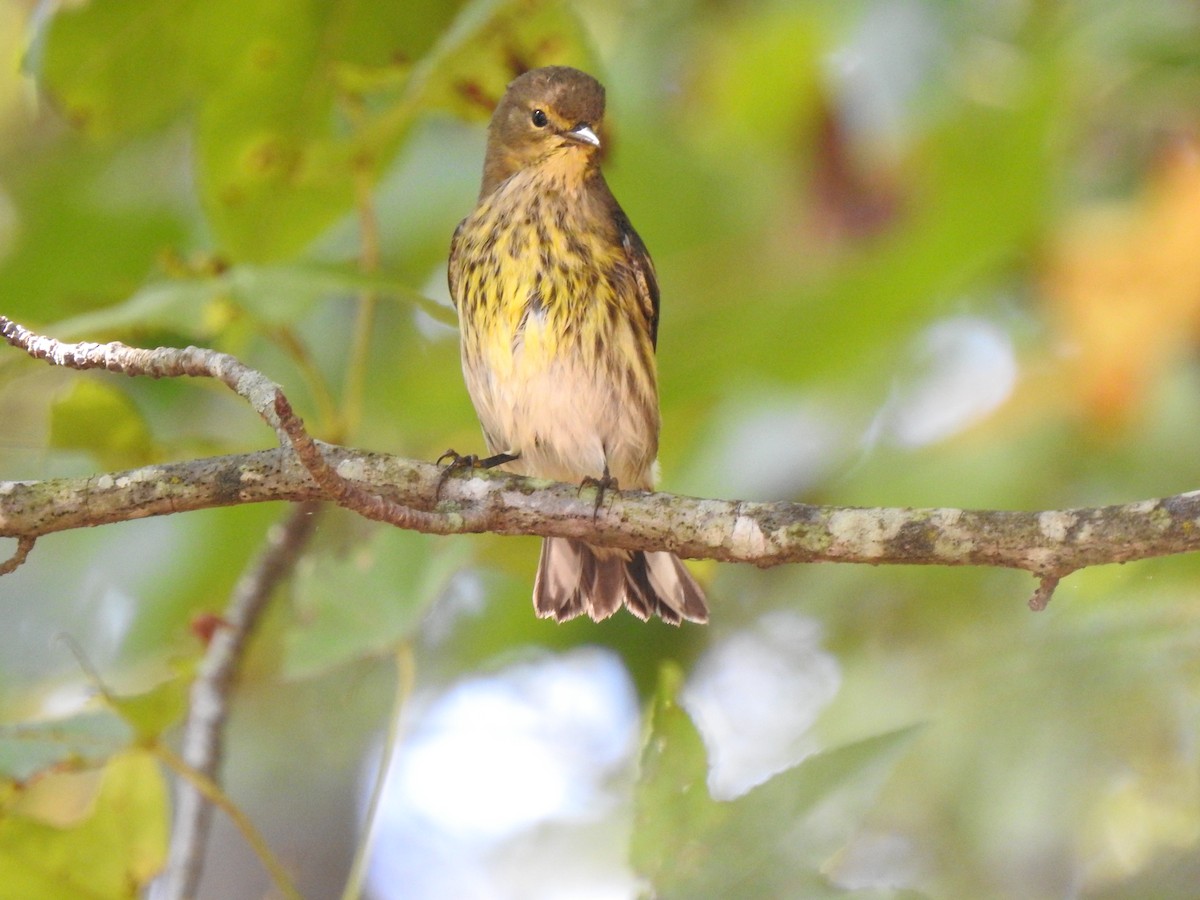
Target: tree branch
column 1050, row 543
column 416, row 495
column 202, row 745
column 161, row 362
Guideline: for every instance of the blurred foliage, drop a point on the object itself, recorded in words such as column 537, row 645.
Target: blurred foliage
column 822, row 186
column 689, row 845
column 112, row 851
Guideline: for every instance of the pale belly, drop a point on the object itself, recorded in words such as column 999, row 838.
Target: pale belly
column 568, row 419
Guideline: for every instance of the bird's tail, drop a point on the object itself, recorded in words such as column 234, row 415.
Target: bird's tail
column 574, row 578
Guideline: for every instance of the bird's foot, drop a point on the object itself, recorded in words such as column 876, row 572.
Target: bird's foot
column 456, row 461
column 603, row 485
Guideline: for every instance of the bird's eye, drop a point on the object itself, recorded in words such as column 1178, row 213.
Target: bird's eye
column 539, row 118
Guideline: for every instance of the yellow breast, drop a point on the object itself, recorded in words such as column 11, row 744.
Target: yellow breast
column 556, row 350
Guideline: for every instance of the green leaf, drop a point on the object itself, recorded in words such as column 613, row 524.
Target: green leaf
column 179, row 307
column 265, row 93
column 786, row 41
column 364, row 602
column 275, row 167
column 489, row 43
column 99, row 418
column 86, row 739
column 90, row 738
column 152, row 712
column 95, row 59
column 85, row 226
column 113, row 853
column 271, row 174
column 766, row 832
column 279, row 152
column 272, row 295
column 759, row 845
column 673, row 811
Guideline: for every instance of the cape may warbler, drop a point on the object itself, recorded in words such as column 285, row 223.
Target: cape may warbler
column 558, row 313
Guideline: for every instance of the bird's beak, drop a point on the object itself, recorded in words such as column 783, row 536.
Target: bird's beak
column 584, row 134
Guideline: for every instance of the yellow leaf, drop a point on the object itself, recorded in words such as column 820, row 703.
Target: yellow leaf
column 1124, row 284
column 110, row 855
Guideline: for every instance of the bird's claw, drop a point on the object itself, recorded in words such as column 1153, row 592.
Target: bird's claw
column 603, row 485
column 456, row 461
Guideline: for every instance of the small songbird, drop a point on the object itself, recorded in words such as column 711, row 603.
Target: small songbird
column 558, row 313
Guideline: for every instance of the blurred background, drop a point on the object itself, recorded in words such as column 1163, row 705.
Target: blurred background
column 911, row 253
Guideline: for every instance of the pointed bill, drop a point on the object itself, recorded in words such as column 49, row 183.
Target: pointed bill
column 584, row 134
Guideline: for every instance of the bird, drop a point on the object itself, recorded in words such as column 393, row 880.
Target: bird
column 558, row 309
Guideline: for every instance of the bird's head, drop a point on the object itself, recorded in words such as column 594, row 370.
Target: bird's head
column 544, row 112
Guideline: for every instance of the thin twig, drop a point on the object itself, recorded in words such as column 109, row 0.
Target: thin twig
column 160, row 362
column 364, row 319
column 368, row 504
column 405, row 676
column 211, row 691
column 312, row 377
column 1047, row 585
column 25, row 544
column 211, row 791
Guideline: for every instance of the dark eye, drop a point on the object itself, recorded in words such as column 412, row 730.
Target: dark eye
column 539, row 118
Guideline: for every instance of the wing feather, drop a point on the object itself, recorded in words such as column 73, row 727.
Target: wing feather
column 643, row 273
column 453, row 273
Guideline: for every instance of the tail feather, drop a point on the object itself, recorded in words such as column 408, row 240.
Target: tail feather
column 560, row 575
column 575, row 578
column 675, row 585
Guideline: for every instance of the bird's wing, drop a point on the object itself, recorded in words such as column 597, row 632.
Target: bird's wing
column 452, row 271
column 643, row 273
